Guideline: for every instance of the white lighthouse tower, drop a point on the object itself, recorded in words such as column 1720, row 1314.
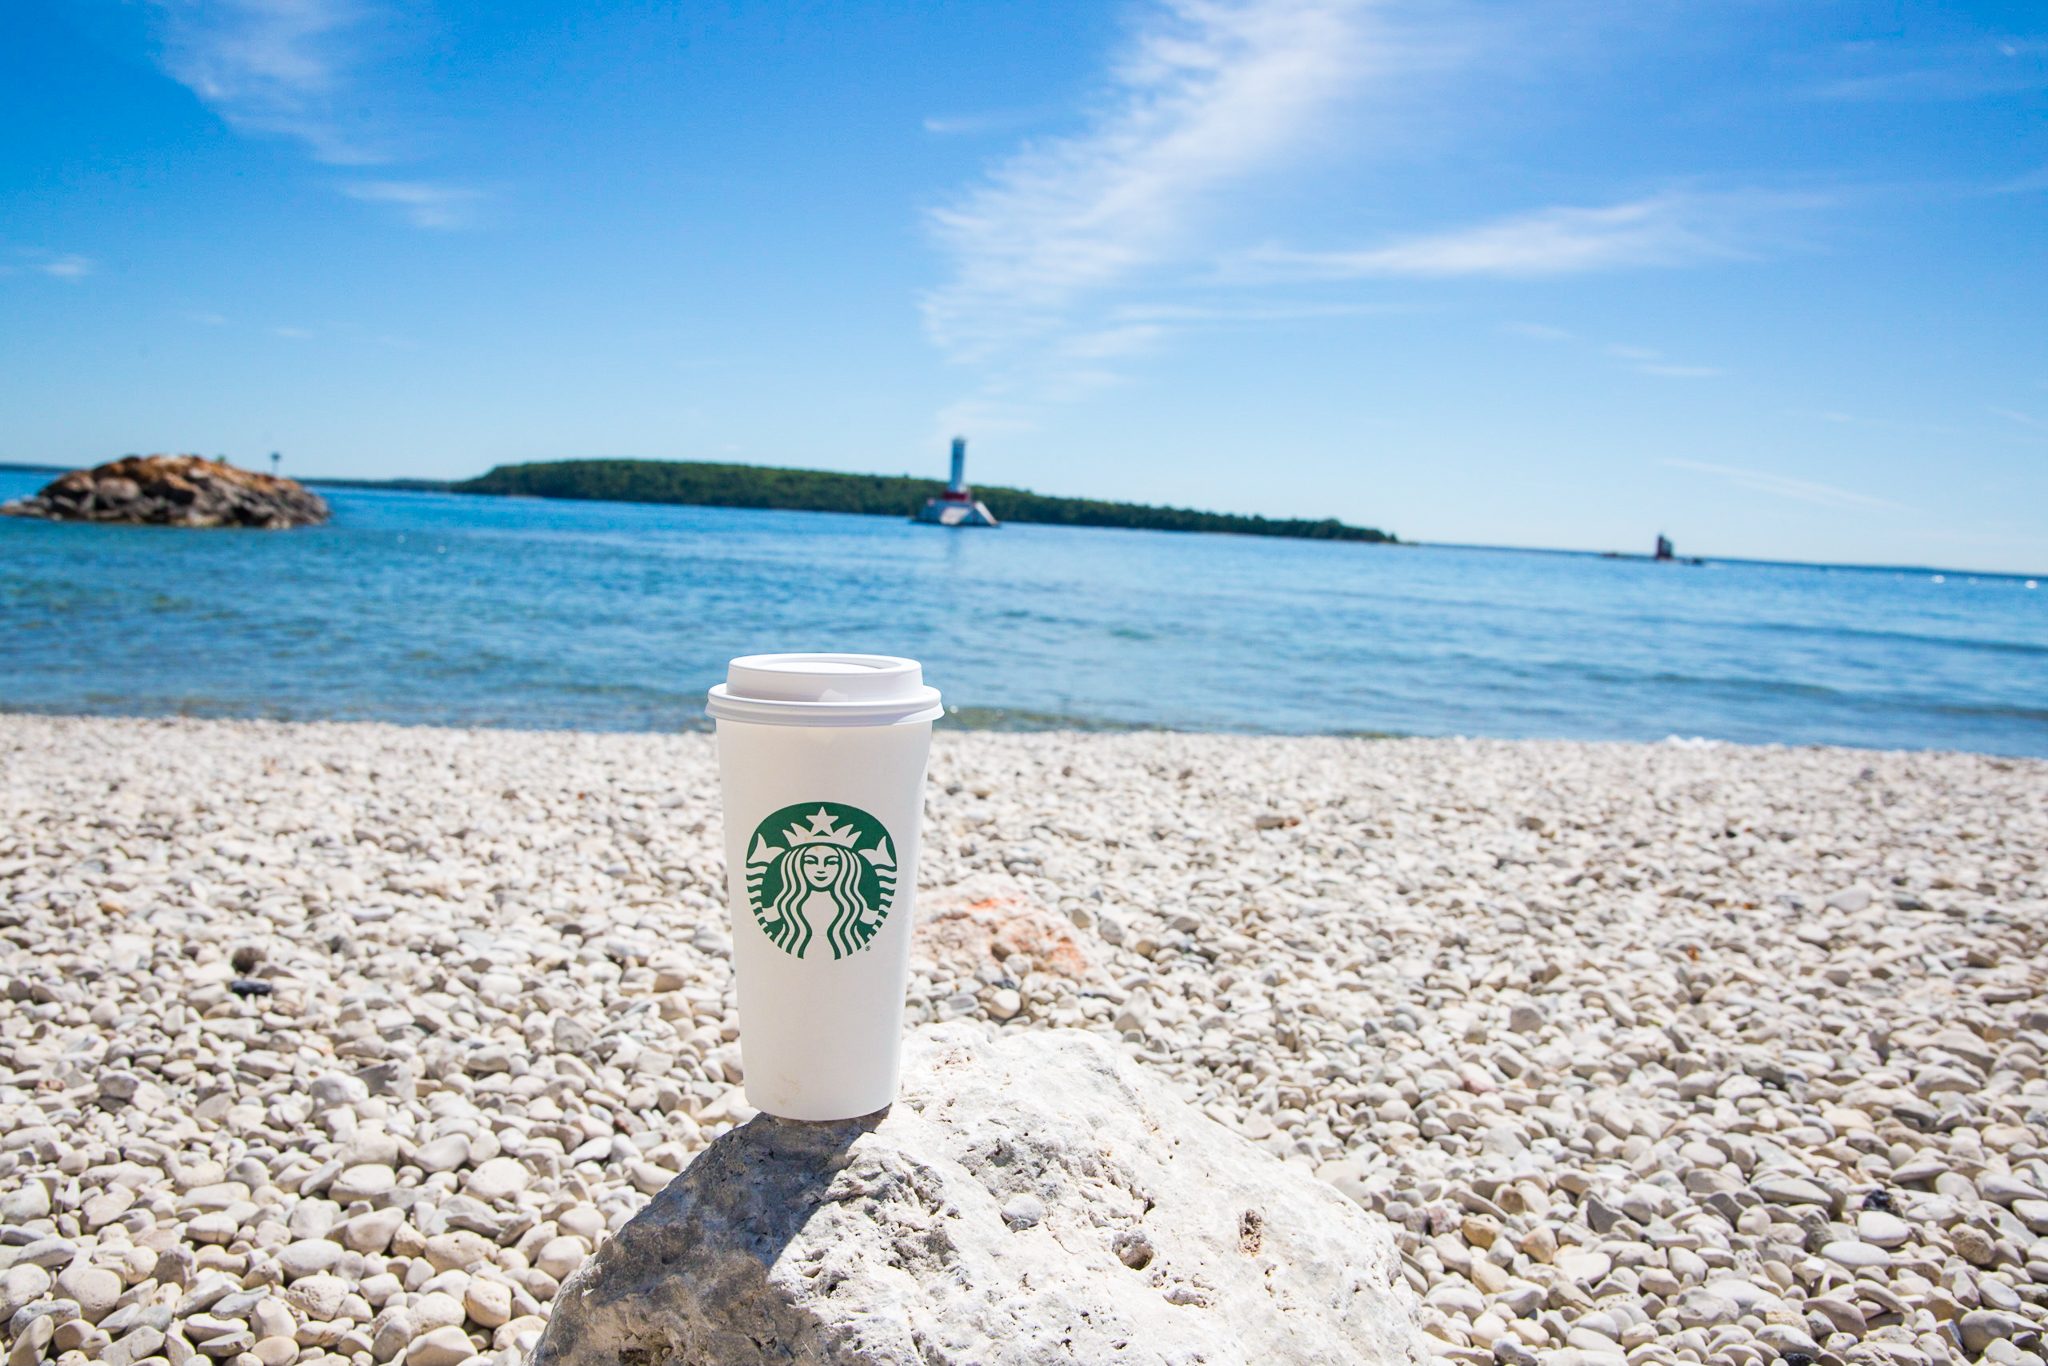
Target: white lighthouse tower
column 957, row 506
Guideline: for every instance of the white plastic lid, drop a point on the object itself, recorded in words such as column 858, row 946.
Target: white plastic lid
column 824, row 690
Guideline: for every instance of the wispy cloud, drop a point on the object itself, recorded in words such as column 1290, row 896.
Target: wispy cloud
column 2030, row 182
column 67, row 267
column 1782, row 486
column 1045, row 250
column 1209, row 94
column 291, row 333
column 1983, row 69
column 1643, row 360
column 275, row 67
column 1123, row 339
column 207, row 317
column 296, row 69
column 423, row 203
column 1662, row 230
column 1256, row 311
column 2027, row 420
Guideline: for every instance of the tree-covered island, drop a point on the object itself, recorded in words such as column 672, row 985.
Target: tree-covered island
column 881, row 495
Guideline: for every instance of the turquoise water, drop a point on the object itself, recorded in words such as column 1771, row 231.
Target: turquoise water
column 474, row 611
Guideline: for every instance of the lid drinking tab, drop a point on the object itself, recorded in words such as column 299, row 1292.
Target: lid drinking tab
column 824, row 690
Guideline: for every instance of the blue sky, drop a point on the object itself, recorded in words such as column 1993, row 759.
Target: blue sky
column 1768, row 277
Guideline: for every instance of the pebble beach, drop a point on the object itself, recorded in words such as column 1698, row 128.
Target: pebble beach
column 334, row 1043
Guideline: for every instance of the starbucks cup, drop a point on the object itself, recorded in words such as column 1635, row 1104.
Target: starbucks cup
column 822, row 762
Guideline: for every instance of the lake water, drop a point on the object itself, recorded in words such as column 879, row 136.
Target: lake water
column 502, row 612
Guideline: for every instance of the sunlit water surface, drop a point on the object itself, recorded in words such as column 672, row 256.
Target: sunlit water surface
column 514, row 612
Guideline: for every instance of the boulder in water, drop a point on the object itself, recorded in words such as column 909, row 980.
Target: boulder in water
column 174, row 490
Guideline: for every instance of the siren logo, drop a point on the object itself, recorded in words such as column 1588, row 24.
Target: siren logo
column 819, row 868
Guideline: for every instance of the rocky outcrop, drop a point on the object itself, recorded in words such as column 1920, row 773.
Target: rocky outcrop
column 174, row 490
column 1032, row 1198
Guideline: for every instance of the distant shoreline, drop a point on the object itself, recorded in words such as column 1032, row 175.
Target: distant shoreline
column 695, row 483
column 703, row 483
column 454, row 486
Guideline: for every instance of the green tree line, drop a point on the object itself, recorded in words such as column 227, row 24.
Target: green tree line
column 881, row 495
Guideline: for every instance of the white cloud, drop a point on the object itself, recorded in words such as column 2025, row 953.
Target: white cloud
column 1210, row 94
column 66, row 266
column 208, row 318
column 1662, row 230
column 1123, row 339
column 299, row 70
column 1782, row 486
column 1271, row 311
column 1644, row 360
column 276, row 67
column 423, row 203
column 1984, row 69
column 2023, row 419
column 69, row 267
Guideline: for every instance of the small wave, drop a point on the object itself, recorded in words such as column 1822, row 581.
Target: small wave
column 2016, row 647
column 1992, row 713
column 1023, row 719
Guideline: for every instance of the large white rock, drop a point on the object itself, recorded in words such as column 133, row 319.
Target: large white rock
column 1031, row 1198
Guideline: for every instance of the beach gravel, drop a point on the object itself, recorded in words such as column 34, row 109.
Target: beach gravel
column 326, row 1043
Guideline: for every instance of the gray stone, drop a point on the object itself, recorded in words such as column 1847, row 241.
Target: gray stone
column 501, row 1178
column 368, row 1181
column 390, row 1333
column 442, row 1154
column 371, row 1232
column 1981, row 1327
column 446, row 1346
column 32, row 1201
column 1841, row 1315
column 309, row 1257
column 143, row 1341
column 2005, row 1190
column 882, row 1240
column 1783, row 1338
column 1582, row 1264
column 320, row 1296
column 48, row 1253
column 1973, row 1245
column 31, row 1342
column 1790, row 1190
column 1856, row 1255
column 21, row 1285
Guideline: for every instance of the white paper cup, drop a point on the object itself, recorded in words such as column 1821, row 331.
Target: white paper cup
column 822, row 762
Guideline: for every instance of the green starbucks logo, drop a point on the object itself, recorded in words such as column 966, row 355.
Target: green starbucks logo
column 820, row 864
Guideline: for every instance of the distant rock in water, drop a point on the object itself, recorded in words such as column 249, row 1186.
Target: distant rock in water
column 174, row 490
column 1032, row 1199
